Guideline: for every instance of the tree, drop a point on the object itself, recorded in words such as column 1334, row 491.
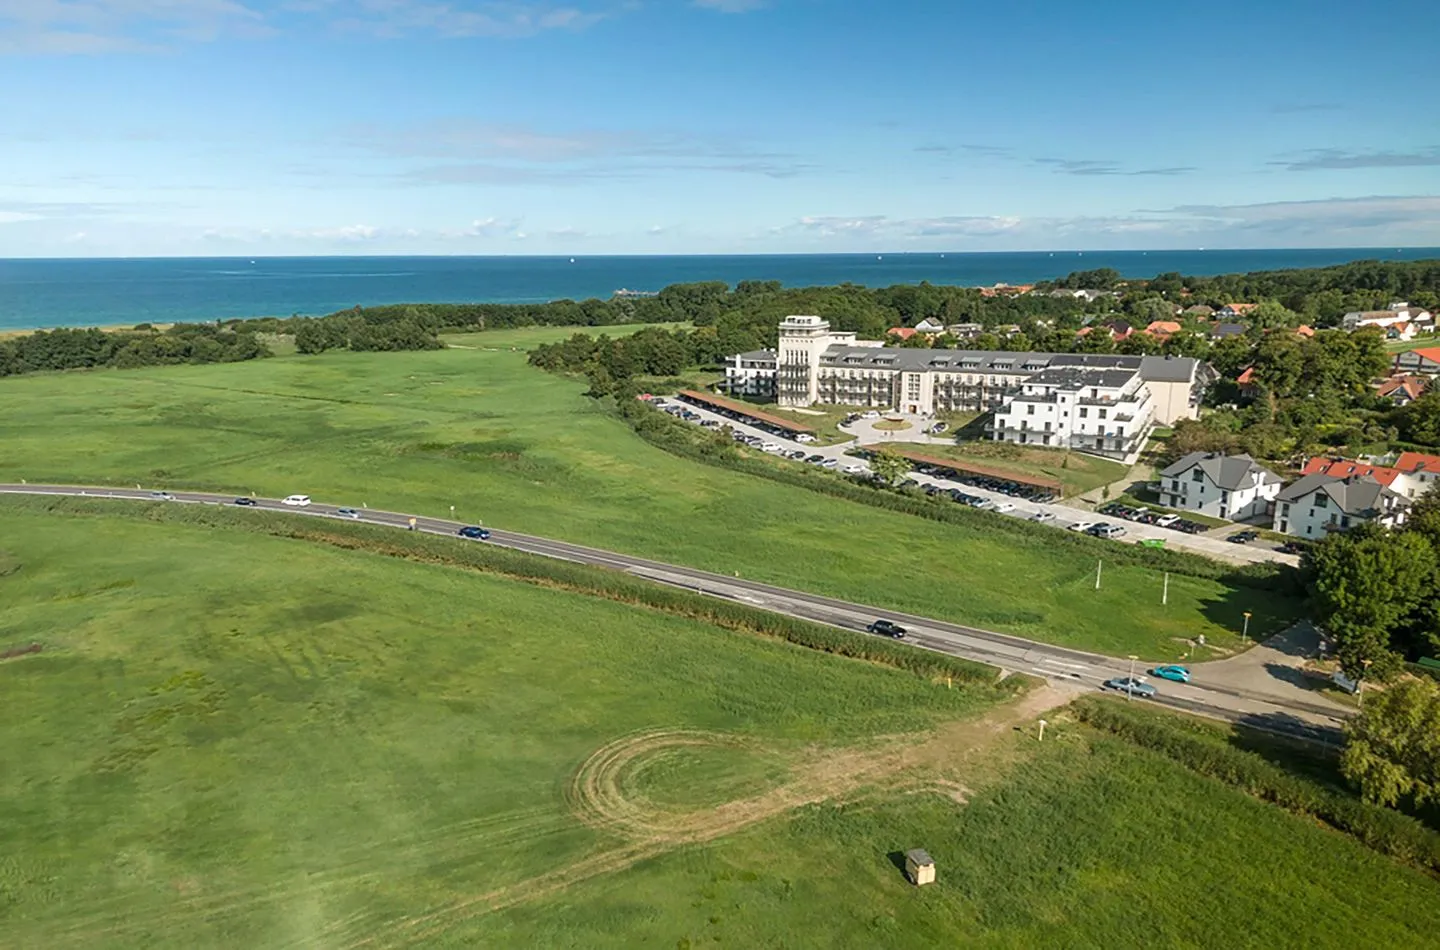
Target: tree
column 1367, row 585
column 1392, row 749
column 1150, row 309
column 888, row 466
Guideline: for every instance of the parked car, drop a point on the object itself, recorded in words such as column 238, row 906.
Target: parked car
column 980, row 503
column 771, row 447
column 1004, row 507
column 853, row 469
column 1292, row 547
column 296, row 501
column 830, row 463
column 1081, row 526
column 887, row 628
column 1165, row 521
column 1134, row 687
column 1243, row 537
column 246, row 502
column 1103, row 530
column 815, row 459
column 804, row 438
column 1043, row 516
column 938, row 428
column 870, row 414
column 796, row 455
column 347, row 512
column 1177, row 673
column 474, row 532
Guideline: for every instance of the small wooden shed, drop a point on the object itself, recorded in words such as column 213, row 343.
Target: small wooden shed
column 919, row 866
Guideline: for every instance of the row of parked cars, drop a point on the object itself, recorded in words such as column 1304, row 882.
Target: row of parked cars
column 1143, row 515
column 1002, row 486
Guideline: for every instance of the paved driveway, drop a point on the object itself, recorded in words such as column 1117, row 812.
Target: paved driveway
column 1274, row 668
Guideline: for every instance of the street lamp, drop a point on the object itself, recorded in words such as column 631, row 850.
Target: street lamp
column 1245, row 630
column 1130, row 685
column 1360, row 686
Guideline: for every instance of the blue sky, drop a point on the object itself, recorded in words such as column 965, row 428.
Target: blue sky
column 247, row 127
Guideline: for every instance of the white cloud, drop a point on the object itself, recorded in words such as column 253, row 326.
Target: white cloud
column 58, row 27
column 456, row 18
column 730, row 6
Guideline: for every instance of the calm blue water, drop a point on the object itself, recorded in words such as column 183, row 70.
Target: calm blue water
column 51, row 293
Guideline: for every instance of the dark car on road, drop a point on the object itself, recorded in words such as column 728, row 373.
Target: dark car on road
column 1243, row 537
column 887, row 628
column 1134, row 687
column 246, row 502
column 470, row 531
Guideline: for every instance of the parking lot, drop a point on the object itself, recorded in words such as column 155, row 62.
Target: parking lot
column 991, row 497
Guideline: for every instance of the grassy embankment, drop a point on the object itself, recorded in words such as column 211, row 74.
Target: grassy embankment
column 517, row 448
column 1077, row 472
column 237, row 740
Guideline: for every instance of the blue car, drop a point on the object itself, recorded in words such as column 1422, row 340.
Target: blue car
column 1134, row 687
column 470, row 531
column 1177, row 673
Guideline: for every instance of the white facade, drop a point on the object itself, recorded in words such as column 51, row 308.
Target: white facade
column 1235, row 488
column 1316, row 505
column 750, row 374
column 1106, row 412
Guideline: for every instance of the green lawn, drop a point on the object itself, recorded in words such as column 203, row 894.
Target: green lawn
column 526, row 338
column 231, row 740
column 1078, row 472
column 1089, row 842
column 511, row 446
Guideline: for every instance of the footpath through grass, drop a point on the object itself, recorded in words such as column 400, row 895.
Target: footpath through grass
column 235, row 740
column 513, row 447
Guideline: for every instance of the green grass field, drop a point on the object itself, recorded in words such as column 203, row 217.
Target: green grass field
column 1078, row 472
column 1087, row 842
column 235, row 740
column 510, row 446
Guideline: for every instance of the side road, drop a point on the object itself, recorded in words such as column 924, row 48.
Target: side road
column 1064, row 515
column 1264, row 705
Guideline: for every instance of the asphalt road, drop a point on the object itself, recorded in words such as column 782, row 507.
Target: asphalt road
column 1077, row 668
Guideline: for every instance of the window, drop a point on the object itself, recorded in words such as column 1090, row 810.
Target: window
column 1285, row 510
column 1321, row 501
column 1102, row 413
column 1197, row 476
column 1084, row 413
column 1029, row 410
column 1175, row 485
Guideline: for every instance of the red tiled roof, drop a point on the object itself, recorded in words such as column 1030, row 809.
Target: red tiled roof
column 903, row 333
column 1305, row 331
column 1247, row 377
column 1412, row 386
column 1415, row 462
column 1163, row 327
column 1344, row 468
column 1242, row 307
column 1431, row 353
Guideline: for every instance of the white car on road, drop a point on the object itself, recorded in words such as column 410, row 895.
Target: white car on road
column 1004, row 507
column 771, row 447
column 1043, row 516
column 854, row 470
column 1081, row 526
column 296, row 501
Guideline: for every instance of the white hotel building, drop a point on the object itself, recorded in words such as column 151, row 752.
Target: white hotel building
column 817, row 365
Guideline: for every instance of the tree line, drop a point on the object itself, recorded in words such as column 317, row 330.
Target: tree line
column 144, row 346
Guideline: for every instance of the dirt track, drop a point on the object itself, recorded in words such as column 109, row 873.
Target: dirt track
column 818, row 774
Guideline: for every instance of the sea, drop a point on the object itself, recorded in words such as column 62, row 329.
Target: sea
column 124, row 292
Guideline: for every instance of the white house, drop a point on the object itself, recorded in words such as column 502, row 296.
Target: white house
column 1315, row 505
column 929, row 326
column 751, row 374
column 1403, row 319
column 1235, row 487
column 1107, row 412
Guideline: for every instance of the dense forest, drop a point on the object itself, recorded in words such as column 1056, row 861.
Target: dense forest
column 143, row 346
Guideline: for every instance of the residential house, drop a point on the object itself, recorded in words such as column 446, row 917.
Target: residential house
column 1249, row 387
column 1317, row 504
column 1402, row 390
column 965, row 331
column 1235, row 487
column 1118, row 329
column 929, row 326
column 1422, row 361
column 1420, row 472
column 1306, row 332
column 1162, row 329
column 1089, row 296
column 1222, row 330
column 1199, row 311
column 901, row 333
column 1416, row 319
column 1233, row 310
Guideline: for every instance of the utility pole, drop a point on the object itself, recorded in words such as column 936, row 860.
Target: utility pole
column 1042, row 731
column 1130, row 685
column 1245, row 630
column 1098, row 566
column 1165, row 595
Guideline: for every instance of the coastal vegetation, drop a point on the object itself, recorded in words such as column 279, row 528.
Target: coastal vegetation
column 144, row 346
column 480, row 430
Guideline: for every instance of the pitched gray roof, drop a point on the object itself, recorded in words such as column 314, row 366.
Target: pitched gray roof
column 1356, row 495
column 1078, row 377
column 1230, row 472
column 758, row 355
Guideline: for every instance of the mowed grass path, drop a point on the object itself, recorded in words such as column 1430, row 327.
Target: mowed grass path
column 514, row 447
column 1089, row 842
column 239, row 741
